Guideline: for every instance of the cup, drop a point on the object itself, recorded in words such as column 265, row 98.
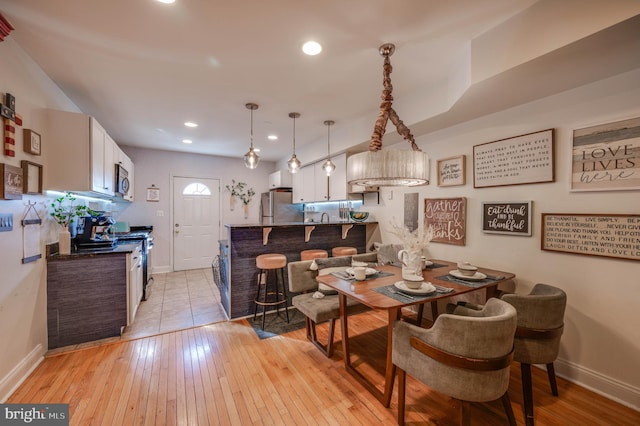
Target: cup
column 360, row 273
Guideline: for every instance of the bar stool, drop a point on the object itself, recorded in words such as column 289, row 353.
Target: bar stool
column 313, row 254
column 343, row 251
column 266, row 263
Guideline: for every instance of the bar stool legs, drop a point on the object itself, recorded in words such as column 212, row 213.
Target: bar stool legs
column 277, row 294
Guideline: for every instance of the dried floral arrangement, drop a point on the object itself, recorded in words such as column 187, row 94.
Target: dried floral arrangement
column 239, row 190
column 412, row 240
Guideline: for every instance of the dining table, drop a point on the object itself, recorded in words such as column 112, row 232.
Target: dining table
column 380, row 292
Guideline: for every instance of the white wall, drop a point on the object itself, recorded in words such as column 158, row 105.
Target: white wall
column 153, row 167
column 601, row 342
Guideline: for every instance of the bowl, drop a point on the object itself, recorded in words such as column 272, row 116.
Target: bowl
column 413, row 281
column 358, row 216
column 467, row 269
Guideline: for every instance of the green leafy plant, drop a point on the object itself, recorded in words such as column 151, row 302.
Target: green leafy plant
column 63, row 210
column 239, row 190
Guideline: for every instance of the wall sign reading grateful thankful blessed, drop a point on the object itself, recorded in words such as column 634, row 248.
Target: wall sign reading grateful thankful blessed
column 446, row 216
column 607, row 157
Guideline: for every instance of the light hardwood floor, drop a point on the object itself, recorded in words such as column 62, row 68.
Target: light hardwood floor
column 223, row 374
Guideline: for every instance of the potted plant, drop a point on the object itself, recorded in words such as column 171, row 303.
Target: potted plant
column 63, row 211
column 235, row 189
column 246, row 197
column 238, row 190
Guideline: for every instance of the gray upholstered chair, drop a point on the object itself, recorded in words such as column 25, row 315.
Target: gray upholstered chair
column 465, row 355
column 537, row 340
column 302, row 279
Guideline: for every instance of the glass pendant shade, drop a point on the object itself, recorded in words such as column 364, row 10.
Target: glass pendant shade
column 328, row 167
column 378, row 167
column 251, row 158
column 294, row 164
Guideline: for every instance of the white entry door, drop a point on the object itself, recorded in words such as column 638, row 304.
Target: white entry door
column 196, row 222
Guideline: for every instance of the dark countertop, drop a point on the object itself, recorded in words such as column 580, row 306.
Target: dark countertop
column 121, row 248
column 292, row 224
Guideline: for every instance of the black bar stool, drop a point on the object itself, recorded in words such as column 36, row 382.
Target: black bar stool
column 271, row 262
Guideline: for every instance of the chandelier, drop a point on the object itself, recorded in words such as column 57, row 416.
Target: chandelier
column 389, row 167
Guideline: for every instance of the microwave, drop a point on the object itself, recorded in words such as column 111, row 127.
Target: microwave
column 122, row 180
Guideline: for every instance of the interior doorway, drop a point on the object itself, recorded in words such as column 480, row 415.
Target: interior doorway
column 196, row 222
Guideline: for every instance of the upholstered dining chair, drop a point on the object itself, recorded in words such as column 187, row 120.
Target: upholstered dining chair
column 465, row 355
column 537, row 339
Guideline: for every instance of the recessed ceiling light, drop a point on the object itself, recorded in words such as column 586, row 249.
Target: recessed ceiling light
column 190, row 124
column 311, row 48
column 272, row 137
column 187, row 141
column 256, row 149
column 167, row 1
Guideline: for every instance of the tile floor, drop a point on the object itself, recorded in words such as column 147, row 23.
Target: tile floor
column 177, row 300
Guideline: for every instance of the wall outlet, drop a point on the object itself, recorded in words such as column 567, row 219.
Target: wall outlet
column 159, row 213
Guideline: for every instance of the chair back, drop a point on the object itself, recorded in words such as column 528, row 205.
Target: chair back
column 471, row 354
column 540, row 323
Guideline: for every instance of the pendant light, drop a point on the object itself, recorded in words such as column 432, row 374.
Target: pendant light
column 294, row 164
column 328, row 165
column 251, row 158
column 391, row 167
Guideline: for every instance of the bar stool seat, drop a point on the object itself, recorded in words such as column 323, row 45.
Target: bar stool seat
column 273, row 296
column 343, row 251
column 313, row 254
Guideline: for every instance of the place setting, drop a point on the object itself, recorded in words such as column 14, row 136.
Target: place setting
column 360, row 271
column 468, row 274
column 412, row 287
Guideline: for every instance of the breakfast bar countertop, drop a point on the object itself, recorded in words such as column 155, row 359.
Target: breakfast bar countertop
column 287, row 224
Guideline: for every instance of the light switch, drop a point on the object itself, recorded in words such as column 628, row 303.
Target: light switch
column 159, row 213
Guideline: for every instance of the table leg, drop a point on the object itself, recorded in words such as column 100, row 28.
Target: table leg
column 390, row 368
column 344, row 326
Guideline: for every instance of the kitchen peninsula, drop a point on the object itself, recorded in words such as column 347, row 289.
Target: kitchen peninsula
column 238, row 253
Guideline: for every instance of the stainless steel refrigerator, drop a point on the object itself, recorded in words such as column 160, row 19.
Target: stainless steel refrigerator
column 276, row 207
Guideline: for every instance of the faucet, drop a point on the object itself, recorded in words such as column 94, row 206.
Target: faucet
column 323, row 216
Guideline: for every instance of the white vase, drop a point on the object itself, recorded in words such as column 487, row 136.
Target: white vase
column 232, row 202
column 411, row 262
column 246, row 211
column 64, row 242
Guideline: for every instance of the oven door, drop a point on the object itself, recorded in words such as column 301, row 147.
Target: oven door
column 122, row 180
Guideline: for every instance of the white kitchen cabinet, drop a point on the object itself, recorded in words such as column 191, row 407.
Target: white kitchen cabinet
column 124, row 160
column 304, row 185
column 338, row 179
column 280, row 179
column 134, row 283
column 81, row 155
column 321, row 183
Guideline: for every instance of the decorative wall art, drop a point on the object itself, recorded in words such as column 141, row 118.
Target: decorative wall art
column 515, row 161
column 11, row 120
column 10, row 182
column 607, row 157
column 31, row 142
column 608, row 235
column 511, row 218
column 31, row 177
column 451, row 171
column 447, row 218
column 153, row 194
column 31, row 222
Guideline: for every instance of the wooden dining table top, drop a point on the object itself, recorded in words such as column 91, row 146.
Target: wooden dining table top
column 364, row 293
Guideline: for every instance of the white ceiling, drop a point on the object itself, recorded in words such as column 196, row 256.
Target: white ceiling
column 143, row 68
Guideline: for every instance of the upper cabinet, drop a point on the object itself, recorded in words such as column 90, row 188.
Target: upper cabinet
column 280, row 179
column 81, row 155
column 311, row 183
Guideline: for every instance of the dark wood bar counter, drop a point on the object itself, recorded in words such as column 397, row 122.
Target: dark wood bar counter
column 244, row 242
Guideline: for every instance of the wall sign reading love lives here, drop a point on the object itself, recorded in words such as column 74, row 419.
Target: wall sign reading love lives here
column 512, row 218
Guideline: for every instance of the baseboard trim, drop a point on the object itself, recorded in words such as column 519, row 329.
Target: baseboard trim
column 608, row 387
column 20, row 372
column 160, row 269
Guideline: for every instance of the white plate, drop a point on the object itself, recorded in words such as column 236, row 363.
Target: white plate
column 475, row 277
column 368, row 271
column 425, row 288
column 427, row 263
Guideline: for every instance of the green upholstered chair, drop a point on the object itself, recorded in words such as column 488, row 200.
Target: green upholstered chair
column 465, row 355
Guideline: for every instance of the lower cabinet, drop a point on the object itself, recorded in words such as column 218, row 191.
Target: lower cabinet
column 86, row 298
column 135, row 283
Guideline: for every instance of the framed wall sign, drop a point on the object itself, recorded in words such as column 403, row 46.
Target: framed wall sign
column 511, row 218
column 31, row 177
column 10, row 182
column 447, row 217
column 608, row 235
column 515, row 161
column 607, row 157
column 451, row 171
column 153, row 194
column 31, row 141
